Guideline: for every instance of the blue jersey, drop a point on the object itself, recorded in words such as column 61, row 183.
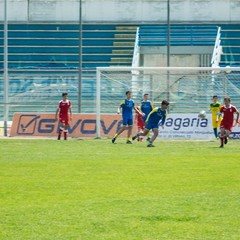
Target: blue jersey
column 127, row 106
column 157, row 115
column 146, row 107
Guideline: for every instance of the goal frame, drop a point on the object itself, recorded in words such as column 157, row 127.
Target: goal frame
column 136, row 69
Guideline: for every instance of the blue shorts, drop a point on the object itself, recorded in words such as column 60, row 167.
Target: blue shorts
column 151, row 125
column 144, row 118
column 127, row 121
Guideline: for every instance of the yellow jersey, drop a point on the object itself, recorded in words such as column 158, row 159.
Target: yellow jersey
column 215, row 109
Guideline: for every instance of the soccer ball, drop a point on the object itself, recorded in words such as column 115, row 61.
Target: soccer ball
column 202, row 114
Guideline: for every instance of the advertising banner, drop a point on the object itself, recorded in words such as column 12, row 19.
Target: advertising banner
column 84, row 125
column 187, row 126
column 191, row 127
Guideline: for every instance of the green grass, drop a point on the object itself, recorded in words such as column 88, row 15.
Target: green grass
column 93, row 189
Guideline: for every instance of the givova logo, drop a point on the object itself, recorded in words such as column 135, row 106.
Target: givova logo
column 82, row 125
column 27, row 124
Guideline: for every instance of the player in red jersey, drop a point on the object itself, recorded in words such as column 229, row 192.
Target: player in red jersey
column 226, row 126
column 139, row 121
column 64, row 106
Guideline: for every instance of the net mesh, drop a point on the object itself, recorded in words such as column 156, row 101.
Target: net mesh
column 187, row 91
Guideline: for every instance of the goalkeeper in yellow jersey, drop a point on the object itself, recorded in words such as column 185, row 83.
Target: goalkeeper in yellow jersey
column 215, row 107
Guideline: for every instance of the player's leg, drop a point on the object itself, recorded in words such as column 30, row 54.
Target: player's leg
column 218, row 126
column 144, row 133
column 129, row 134
column 155, row 134
column 123, row 128
column 60, row 130
column 222, row 136
column 140, row 130
column 146, row 130
column 214, row 126
column 148, row 135
column 65, row 131
column 227, row 134
column 215, row 132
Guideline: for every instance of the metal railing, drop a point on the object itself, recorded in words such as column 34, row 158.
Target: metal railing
column 217, row 51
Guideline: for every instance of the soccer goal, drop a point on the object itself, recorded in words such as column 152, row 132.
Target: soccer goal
column 188, row 89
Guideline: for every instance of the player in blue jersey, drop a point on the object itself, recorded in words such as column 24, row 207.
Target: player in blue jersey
column 156, row 117
column 146, row 107
column 127, row 106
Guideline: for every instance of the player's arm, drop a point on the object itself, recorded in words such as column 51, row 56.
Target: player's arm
column 217, row 117
column 120, row 106
column 139, row 112
column 163, row 121
column 152, row 105
column 237, row 113
column 57, row 112
column 219, row 114
column 70, row 111
column 135, row 118
column 119, row 109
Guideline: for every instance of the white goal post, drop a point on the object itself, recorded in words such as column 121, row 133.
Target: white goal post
column 188, row 89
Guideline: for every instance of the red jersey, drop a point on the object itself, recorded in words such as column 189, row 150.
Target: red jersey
column 64, row 107
column 228, row 115
column 140, row 122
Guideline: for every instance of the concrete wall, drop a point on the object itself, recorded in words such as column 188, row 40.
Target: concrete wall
column 181, row 56
column 123, row 10
column 160, row 60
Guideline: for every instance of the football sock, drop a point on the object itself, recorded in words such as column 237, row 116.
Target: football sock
column 60, row 132
column 128, row 139
column 221, row 139
column 116, row 135
column 148, row 135
column 65, row 134
column 215, row 132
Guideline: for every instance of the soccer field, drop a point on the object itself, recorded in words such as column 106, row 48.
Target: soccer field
column 93, row 189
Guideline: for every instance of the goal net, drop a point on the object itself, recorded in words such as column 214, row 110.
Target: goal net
column 188, row 89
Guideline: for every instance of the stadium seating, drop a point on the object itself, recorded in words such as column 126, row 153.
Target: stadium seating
column 180, row 35
column 57, row 46
column 230, row 42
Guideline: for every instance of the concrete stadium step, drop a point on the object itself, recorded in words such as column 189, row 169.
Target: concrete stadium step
column 127, row 52
column 126, row 44
column 132, row 36
column 127, row 28
column 122, row 60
